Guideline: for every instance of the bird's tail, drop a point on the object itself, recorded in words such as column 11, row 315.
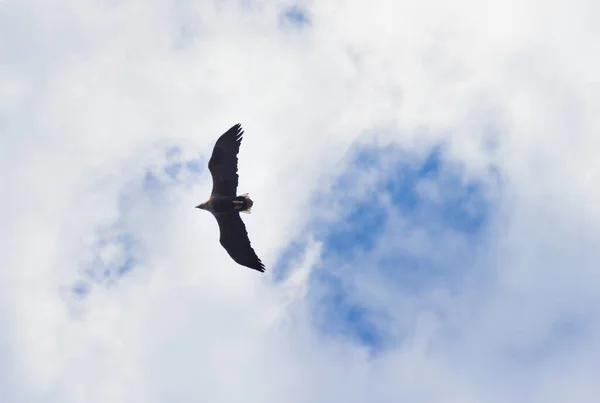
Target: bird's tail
column 247, row 204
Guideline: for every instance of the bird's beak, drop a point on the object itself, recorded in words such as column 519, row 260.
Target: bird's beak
column 199, row 206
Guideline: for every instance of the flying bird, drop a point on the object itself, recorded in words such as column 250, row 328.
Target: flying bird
column 224, row 203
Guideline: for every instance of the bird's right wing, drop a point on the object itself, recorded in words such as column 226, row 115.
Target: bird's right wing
column 223, row 163
column 234, row 238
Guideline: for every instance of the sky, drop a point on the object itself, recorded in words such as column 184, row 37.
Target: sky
column 425, row 186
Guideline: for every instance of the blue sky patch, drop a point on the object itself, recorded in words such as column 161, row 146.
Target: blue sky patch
column 195, row 166
column 338, row 315
column 415, row 227
column 291, row 255
column 295, row 16
column 116, row 251
column 152, row 182
column 359, row 230
column 172, row 170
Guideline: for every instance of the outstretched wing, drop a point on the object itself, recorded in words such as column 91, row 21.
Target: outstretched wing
column 223, row 163
column 234, row 239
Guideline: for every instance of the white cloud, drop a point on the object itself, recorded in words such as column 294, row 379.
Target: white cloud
column 92, row 94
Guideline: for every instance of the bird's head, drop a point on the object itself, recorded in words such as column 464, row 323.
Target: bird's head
column 203, row 206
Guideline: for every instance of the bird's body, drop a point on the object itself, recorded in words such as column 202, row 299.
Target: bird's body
column 224, row 203
column 227, row 204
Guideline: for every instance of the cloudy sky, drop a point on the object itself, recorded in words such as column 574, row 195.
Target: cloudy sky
column 426, row 190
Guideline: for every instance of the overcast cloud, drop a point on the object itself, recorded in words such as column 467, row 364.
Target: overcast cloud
column 425, row 177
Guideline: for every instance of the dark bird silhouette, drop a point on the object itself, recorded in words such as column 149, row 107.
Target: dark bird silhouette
column 224, row 203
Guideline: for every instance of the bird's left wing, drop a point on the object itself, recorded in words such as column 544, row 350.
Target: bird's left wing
column 234, row 238
column 223, row 163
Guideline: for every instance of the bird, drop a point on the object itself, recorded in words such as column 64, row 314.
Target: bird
column 225, row 204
